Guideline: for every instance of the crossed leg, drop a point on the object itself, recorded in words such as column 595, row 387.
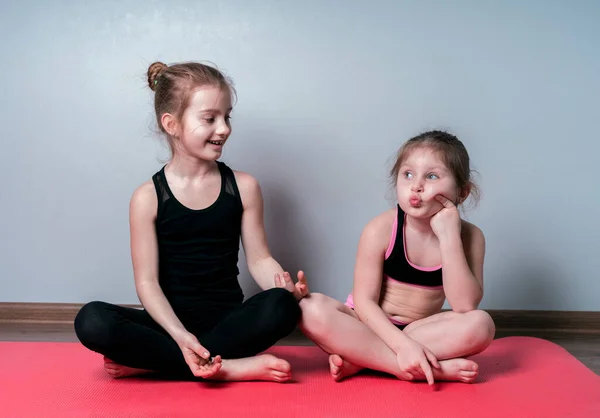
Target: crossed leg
column 353, row 346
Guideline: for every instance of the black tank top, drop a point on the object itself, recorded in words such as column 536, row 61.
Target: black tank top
column 198, row 249
column 399, row 268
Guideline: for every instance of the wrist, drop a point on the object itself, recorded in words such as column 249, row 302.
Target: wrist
column 180, row 335
column 400, row 341
column 450, row 240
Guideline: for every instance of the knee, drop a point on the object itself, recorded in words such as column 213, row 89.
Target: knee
column 314, row 305
column 481, row 329
column 91, row 325
column 316, row 312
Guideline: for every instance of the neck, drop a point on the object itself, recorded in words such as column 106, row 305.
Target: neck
column 420, row 225
column 185, row 166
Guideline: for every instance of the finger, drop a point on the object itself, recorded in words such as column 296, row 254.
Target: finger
column 286, row 277
column 432, row 359
column 444, row 201
column 407, row 376
column 201, row 351
column 215, row 368
column 209, row 371
column 199, row 360
column 301, row 277
column 278, row 280
column 215, row 361
column 427, row 371
column 194, row 367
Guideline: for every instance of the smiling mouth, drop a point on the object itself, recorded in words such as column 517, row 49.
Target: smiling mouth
column 216, row 142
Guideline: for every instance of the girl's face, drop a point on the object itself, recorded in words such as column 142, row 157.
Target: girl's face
column 421, row 177
column 205, row 124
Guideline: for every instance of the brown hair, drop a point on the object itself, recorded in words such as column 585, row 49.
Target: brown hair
column 452, row 152
column 173, row 86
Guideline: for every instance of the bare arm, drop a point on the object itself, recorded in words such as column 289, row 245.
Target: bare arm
column 463, row 271
column 462, row 247
column 412, row 357
column 368, row 275
column 261, row 264
column 144, row 256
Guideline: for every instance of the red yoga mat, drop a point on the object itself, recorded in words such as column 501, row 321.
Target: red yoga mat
column 520, row 377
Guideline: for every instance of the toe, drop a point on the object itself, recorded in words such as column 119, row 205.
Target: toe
column 337, row 360
column 284, row 366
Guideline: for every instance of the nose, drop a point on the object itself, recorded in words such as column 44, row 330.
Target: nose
column 416, row 186
column 223, row 129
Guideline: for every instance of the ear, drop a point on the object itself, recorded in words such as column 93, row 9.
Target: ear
column 170, row 124
column 464, row 193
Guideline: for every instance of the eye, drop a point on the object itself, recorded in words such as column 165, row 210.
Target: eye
column 228, row 118
column 209, row 120
column 432, row 176
column 408, row 175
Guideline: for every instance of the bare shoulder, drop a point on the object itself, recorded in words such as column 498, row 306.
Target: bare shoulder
column 143, row 200
column 377, row 233
column 245, row 180
column 248, row 187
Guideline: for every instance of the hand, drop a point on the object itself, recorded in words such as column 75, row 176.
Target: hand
column 198, row 357
column 414, row 360
column 447, row 221
column 300, row 289
column 210, row 368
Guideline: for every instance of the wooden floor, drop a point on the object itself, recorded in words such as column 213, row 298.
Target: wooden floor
column 584, row 346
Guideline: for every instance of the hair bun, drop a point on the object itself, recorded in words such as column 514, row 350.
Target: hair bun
column 154, row 71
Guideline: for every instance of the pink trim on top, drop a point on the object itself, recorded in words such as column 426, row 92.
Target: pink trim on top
column 396, row 322
column 406, row 254
column 390, row 247
column 350, row 303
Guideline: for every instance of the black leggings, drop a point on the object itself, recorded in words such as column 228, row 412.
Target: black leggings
column 132, row 338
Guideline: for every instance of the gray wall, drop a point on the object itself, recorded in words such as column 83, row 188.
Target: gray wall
column 328, row 91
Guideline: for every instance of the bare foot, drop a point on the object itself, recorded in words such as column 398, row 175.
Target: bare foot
column 457, row 370
column 262, row 367
column 118, row 371
column 340, row 368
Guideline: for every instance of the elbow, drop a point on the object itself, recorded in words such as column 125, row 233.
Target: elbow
column 463, row 303
column 464, row 306
column 145, row 284
column 256, row 261
column 359, row 307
